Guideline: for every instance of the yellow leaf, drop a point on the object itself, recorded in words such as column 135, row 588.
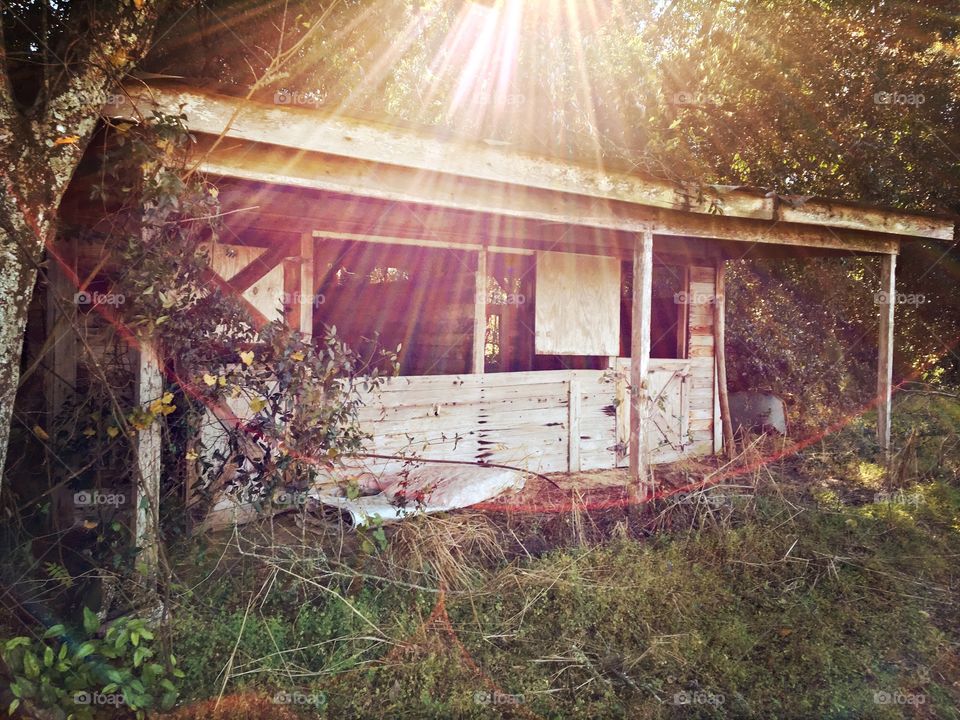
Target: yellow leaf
column 209, row 379
column 167, row 409
column 298, row 356
column 89, row 432
column 113, row 431
column 258, row 404
column 222, row 380
column 66, row 140
column 156, row 406
column 40, row 432
column 138, row 3
column 167, row 398
column 247, row 357
column 89, row 524
column 191, row 455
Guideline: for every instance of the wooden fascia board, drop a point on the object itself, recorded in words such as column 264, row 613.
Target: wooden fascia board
column 306, row 130
column 282, row 166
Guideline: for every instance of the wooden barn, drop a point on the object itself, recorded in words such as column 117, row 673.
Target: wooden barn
column 549, row 315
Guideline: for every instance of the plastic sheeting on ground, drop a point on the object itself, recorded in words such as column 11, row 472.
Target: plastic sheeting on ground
column 420, row 489
column 426, row 489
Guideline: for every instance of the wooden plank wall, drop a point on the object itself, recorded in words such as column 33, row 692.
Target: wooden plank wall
column 554, row 420
column 548, row 421
column 700, row 294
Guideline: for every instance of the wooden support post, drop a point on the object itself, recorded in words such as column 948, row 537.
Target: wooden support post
column 147, row 496
column 639, row 364
column 480, row 314
column 886, row 299
column 291, row 292
column 683, row 318
column 309, row 299
column 61, row 377
column 573, row 425
column 622, row 401
column 719, row 352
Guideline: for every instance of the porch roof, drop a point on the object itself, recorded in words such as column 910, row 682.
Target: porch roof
column 308, row 148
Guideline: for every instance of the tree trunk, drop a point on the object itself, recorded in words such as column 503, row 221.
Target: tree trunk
column 18, row 274
column 40, row 148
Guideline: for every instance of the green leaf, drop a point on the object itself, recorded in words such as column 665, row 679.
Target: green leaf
column 168, row 699
column 85, row 650
column 14, row 704
column 54, row 631
column 139, row 654
column 48, row 657
column 16, row 642
column 91, row 623
column 31, row 667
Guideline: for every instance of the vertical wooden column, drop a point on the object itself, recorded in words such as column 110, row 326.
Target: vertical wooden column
column 479, row 314
column 886, row 299
column 720, row 356
column 149, row 387
column 61, row 317
column 640, row 362
column 308, row 287
column 573, row 425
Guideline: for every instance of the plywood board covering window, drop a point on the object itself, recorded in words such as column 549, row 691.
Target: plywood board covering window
column 577, row 304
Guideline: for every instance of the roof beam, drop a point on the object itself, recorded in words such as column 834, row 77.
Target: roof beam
column 311, row 131
column 356, row 178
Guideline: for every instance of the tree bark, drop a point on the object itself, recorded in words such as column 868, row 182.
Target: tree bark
column 40, row 148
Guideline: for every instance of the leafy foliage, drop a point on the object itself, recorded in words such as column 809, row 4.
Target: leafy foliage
column 301, row 402
column 88, row 673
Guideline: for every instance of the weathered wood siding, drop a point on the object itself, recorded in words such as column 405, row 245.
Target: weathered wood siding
column 266, row 295
column 556, row 420
column 700, row 296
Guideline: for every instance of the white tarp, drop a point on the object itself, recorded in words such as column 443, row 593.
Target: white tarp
column 426, row 488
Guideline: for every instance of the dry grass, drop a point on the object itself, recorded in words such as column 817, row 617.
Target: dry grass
column 445, row 548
